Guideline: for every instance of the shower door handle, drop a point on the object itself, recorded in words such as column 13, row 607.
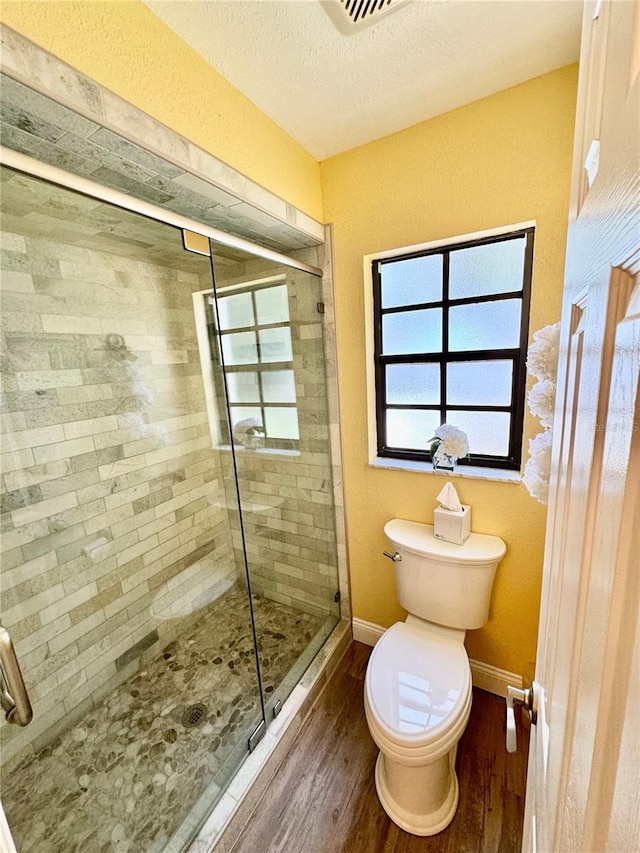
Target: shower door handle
column 13, row 692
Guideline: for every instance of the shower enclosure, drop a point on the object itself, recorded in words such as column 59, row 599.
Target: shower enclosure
column 168, row 542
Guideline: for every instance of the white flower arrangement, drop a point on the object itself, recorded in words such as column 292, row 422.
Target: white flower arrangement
column 537, row 470
column 542, row 357
column 542, row 363
column 448, row 441
column 542, row 398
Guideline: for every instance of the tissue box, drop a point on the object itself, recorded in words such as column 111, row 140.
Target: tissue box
column 452, row 526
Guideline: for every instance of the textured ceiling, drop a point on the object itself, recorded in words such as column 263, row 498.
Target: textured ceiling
column 331, row 91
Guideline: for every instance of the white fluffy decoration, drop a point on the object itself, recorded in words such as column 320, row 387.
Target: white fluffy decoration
column 453, row 442
column 538, row 468
column 542, row 362
column 542, row 398
column 542, row 357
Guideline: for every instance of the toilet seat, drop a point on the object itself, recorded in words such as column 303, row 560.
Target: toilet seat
column 417, row 693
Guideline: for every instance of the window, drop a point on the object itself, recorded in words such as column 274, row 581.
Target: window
column 255, row 338
column 450, row 329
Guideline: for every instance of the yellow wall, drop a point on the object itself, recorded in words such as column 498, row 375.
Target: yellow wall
column 126, row 48
column 499, row 161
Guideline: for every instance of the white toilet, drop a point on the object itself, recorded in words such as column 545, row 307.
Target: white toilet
column 417, row 694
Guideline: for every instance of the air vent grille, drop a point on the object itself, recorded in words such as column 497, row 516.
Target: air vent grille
column 349, row 16
column 358, row 10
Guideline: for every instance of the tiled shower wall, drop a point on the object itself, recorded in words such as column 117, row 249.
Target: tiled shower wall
column 288, row 502
column 113, row 518
column 115, row 526
column 65, row 99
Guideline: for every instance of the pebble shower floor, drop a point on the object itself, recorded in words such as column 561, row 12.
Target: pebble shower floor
column 125, row 776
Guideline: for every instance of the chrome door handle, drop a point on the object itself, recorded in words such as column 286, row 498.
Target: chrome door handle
column 395, row 558
column 13, row 692
column 527, row 699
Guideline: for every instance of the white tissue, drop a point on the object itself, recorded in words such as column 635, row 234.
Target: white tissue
column 448, row 499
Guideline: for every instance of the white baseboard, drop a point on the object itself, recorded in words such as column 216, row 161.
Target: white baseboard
column 492, row 678
column 366, row 632
column 484, row 675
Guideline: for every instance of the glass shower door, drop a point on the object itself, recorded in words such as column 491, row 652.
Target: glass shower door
column 120, row 583
column 266, row 332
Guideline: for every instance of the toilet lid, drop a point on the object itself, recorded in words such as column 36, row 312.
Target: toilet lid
column 417, row 683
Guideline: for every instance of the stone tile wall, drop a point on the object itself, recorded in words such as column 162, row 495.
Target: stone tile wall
column 114, row 504
column 322, row 257
column 49, row 103
column 287, row 494
column 113, row 521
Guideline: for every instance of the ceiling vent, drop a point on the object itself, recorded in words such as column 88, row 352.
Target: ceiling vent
column 351, row 16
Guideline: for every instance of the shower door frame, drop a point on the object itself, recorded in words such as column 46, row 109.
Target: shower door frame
column 54, row 175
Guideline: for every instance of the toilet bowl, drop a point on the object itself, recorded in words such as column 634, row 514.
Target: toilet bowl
column 417, row 703
column 417, row 694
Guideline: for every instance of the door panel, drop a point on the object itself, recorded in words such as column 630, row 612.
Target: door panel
column 267, row 332
column 613, row 607
column 579, row 779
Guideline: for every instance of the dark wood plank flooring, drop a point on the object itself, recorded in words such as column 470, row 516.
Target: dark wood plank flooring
column 323, row 797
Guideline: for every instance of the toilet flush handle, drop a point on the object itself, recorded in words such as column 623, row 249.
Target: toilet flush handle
column 528, row 699
column 395, row 558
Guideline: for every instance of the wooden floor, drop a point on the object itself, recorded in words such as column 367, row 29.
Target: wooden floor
column 323, row 798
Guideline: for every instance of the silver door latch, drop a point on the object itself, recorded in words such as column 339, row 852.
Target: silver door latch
column 527, row 699
column 14, row 698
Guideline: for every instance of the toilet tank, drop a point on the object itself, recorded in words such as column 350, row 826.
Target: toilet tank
column 441, row 582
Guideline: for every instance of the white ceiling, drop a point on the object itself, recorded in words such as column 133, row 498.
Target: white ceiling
column 331, row 91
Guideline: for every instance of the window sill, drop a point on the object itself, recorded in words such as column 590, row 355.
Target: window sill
column 260, row 451
column 474, row 472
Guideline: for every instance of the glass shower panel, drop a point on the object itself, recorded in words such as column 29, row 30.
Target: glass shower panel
column 121, row 581
column 277, row 463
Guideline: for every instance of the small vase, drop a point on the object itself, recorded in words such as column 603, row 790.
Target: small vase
column 443, row 462
column 447, row 463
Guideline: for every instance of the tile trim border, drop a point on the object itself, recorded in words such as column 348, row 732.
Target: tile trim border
column 333, row 406
column 484, row 675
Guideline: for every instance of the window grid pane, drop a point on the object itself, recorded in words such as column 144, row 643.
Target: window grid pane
column 412, row 281
column 480, row 383
column 242, row 387
column 235, row 311
column 272, row 305
column 413, row 383
column 488, row 269
column 488, row 432
column 239, row 348
column 278, row 386
column 275, row 344
column 477, row 387
column 409, row 428
column 406, row 332
column 485, row 325
column 281, row 422
column 264, row 394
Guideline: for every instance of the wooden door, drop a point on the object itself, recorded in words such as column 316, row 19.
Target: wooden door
column 584, row 762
